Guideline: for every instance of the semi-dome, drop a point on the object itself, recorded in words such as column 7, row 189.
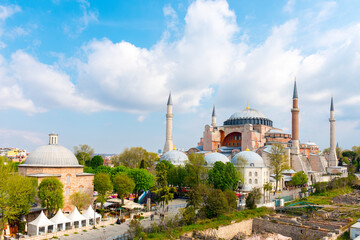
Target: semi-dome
column 52, row 155
column 212, row 158
column 248, row 115
column 175, row 157
column 252, row 159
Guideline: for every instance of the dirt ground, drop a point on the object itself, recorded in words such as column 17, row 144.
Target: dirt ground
column 348, row 199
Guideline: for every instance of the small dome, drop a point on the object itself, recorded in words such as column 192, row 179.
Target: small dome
column 52, row 155
column 211, row 158
column 175, row 157
column 252, row 159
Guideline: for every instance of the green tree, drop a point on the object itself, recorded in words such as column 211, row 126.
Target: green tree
column 83, row 153
column 299, row 178
column 143, row 179
column 196, row 171
column 215, row 203
column 123, row 185
column 51, row 194
column 196, row 196
column 278, row 162
column 97, row 161
column 132, row 157
column 81, row 199
column 223, row 176
column 253, row 198
column 103, row 186
column 176, row 177
column 231, row 199
column 116, row 170
column 17, row 192
column 164, row 192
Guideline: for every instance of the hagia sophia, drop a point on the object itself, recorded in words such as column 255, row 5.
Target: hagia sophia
column 251, row 130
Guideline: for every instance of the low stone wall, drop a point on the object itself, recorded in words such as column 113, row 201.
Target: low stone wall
column 295, row 232
column 225, row 232
column 229, row 231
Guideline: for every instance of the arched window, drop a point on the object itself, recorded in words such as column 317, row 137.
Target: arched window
column 256, row 181
column 250, row 181
column 250, row 174
column 81, row 188
column 68, row 179
column 67, row 191
column 255, row 174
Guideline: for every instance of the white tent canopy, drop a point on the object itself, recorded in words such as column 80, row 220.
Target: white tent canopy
column 61, row 222
column 127, row 203
column 77, row 219
column 90, row 214
column 40, row 225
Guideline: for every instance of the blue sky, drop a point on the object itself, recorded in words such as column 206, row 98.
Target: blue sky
column 99, row 72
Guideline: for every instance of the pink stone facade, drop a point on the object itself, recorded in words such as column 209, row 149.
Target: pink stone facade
column 73, row 179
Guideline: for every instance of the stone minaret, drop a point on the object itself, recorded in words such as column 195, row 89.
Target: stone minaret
column 53, row 139
column 169, row 120
column 333, row 162
column 295, row 122
column 213, row 117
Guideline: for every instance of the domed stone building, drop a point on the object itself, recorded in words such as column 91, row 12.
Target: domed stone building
column 247, row 127
column 254, row 170
column 214, row 157
column 54, row 160
column 176, row 157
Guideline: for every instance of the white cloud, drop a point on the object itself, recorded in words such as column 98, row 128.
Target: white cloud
column 8, row 11
column 48, row 87
column 78, row 25
column 11, row 137
column 289, row 6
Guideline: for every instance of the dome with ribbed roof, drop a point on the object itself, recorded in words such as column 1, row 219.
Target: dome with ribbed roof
column 250, row 116
column 52, row 155
column 252, row 159
column 214, row 157
column 175, row 157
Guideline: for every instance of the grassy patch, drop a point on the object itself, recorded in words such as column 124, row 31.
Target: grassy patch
column 325, row 197
column 84, row 230
column 344, row 236
column 66, row 235
column 76, row 233
column 201, row 225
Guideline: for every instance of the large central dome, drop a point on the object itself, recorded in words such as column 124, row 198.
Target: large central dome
column 250, row 116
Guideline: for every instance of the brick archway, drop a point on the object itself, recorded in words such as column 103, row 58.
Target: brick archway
column 232, row 140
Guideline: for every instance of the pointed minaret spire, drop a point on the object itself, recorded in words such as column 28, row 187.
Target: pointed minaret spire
column 213, row 112
column 295, row 94
column 333, row 161
column 169, row 121
column 170, row 99
column 213, row 117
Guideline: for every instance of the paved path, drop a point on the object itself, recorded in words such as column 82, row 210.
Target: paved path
column 110, row 232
